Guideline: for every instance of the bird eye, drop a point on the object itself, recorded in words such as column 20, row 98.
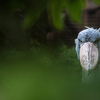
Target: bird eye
column 96, row 41
column 79, row 40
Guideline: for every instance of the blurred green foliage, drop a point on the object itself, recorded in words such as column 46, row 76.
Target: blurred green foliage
column 75, row 8
column 96, row 1
column 42, row 74
column 54, row 7
column 39, row 74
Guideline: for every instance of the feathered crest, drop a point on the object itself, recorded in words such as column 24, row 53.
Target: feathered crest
column 87, row 27
column 92, row 28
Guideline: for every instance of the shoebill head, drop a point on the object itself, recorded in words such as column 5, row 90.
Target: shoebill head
column 88, row 48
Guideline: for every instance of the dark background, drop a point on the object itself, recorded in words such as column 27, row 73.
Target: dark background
column 32, row 23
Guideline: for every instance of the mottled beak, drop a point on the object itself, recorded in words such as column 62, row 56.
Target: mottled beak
column 89, row 56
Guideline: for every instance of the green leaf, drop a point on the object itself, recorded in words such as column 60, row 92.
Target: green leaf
column 75, row 8
column 56, row 12
column 30, row 19
column 33, row 13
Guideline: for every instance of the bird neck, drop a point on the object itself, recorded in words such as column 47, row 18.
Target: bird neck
column 92, row 77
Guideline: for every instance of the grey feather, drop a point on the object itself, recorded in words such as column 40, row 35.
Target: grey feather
column 77, row 47
column 86, row 26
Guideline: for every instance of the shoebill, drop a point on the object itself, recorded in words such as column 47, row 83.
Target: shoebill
column 88, row 52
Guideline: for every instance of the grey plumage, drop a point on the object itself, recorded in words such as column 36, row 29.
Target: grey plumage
column 89, row 35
